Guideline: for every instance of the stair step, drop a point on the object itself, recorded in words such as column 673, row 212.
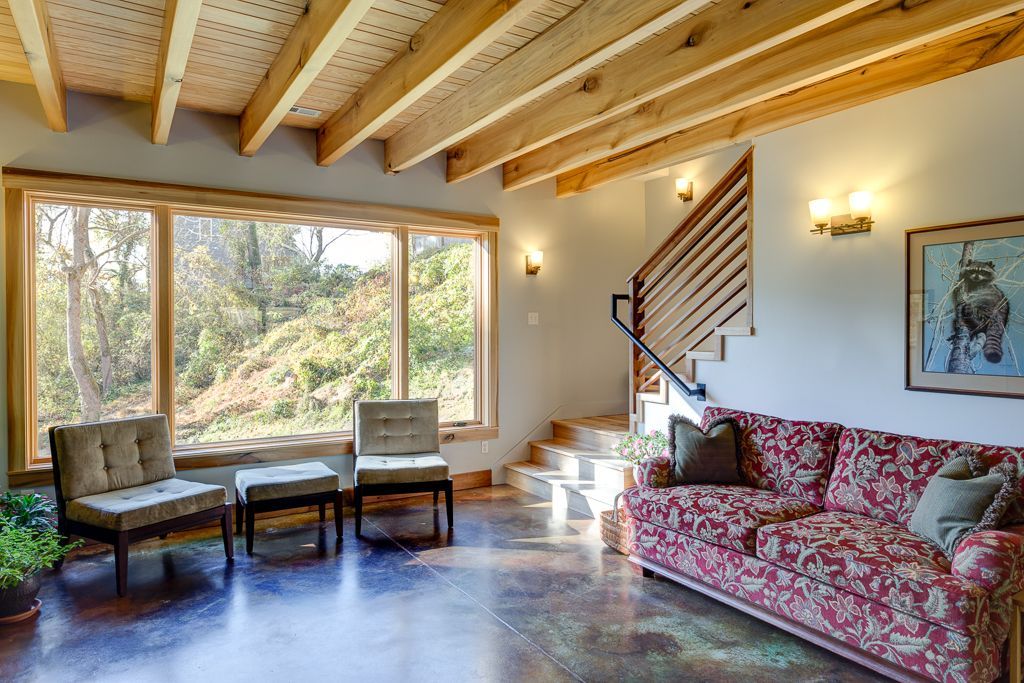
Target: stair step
column 603, row 432
column 582, row 461
column 561, row 488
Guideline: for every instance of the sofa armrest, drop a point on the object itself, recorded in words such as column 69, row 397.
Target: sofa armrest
column 654, row 472
column 992, row 559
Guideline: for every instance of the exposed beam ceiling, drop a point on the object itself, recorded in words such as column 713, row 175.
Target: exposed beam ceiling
column 458, row 31
column 713, row 40
column 180, row 19
column 874, row 33
column 317, row 36
column 975, row 48
column 36, row 33
column 596, row 31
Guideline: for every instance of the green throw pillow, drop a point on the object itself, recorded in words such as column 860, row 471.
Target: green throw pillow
column 963, row 497
column 703, row 458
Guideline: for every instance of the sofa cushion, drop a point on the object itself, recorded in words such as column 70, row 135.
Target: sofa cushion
column 286, row 481
column 876, row 560
column 139, row 506
column 400, row 469
column 786, row 456
column 884, row 475
column 726, row 515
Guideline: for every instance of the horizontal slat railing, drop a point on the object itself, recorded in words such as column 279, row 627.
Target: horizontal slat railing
column 694, row 288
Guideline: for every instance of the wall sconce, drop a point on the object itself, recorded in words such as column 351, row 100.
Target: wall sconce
column 684, row 189
column 534, row 261
column 858, row 220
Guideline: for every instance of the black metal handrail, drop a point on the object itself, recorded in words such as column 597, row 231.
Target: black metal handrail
column 697, row 391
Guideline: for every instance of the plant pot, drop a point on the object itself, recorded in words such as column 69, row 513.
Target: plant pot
column 19, row 600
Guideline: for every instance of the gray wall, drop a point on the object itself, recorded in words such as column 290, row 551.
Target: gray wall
column 572, row 364
column 829, row 312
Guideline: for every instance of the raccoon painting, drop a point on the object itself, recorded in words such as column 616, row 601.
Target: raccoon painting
column 983, row 307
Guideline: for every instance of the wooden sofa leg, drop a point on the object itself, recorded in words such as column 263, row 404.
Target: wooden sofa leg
column 1014, row 645
column 121, row 564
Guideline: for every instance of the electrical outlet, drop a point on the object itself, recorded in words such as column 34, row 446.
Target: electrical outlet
column 533, row 318
column 483, row 446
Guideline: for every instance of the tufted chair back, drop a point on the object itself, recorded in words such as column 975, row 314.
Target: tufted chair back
column 97, row 457
column 396, row 427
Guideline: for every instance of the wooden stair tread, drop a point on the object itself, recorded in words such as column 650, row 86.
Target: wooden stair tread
column 583, row 452
column 564, row 480
column 612, row 425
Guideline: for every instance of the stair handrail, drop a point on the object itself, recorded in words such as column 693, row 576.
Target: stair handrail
column 698, row 391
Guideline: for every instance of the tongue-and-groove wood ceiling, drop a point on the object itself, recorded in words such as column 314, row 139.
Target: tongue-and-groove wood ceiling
column 588, row 91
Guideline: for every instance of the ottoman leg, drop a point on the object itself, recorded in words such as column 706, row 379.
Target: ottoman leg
column 449, row 503
column 359, row 510
column 250, row 527
column 239, row 512
column 339, row 503
column 323, row 512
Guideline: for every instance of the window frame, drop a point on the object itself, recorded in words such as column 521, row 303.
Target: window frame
column 24, row 188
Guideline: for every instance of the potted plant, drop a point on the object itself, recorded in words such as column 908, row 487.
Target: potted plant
column 29, row 543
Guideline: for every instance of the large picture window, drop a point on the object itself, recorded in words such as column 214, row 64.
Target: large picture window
column 253, row 330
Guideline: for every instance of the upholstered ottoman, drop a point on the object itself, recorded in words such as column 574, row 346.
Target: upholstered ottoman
column 280, row 488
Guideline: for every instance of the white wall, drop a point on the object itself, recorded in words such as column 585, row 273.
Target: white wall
column 829, row 313
column 571, row 365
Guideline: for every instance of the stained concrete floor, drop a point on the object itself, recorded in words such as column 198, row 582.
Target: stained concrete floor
column 512, row 594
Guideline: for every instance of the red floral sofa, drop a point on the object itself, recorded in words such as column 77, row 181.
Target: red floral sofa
column 817, row 542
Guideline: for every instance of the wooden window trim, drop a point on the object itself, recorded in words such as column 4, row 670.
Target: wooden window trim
column 22, row 187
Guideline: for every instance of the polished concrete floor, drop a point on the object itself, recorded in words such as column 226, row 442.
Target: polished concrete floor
column 512, row 594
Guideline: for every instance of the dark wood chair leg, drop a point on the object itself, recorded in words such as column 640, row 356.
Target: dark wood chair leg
column 63, row 531
column 323, row 512
column 250, row 527
column 358, row 495
column 121, row 564
column 225, row 530
column 437, row 493
column 239, row 512
column 449, row 503
column 339, row 504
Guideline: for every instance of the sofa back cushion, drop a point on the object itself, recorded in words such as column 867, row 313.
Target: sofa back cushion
column 790, row 457
column 98, row 457
column 884, row 475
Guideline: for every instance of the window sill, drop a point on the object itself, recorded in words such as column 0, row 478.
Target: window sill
column 230, row 455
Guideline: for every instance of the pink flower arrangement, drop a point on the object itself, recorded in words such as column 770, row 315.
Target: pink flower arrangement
column 637, row 447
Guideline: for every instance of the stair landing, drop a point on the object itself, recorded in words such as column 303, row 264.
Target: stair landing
column 576, row 469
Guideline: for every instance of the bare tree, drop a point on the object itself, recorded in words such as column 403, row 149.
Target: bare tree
column 82, row 259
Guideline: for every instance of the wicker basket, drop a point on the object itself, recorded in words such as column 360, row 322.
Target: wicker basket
column 615, row 534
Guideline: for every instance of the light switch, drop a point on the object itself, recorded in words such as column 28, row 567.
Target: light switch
column 533, row 318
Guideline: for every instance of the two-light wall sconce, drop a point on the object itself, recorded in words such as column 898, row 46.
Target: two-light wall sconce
column 684, row 189
column 534, row 260
column 858, row 220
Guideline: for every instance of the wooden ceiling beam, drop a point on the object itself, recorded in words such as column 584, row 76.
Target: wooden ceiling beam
column 316, row 37
column 453, row 36
column 180, row 20
column 713, row 40
column 878, row 31
column 991, row 43
column 33, row 24
column 593, row 33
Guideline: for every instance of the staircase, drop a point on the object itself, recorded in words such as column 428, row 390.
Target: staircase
column 694, row 290
column 576, row 468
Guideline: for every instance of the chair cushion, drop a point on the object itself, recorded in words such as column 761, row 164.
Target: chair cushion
column 790, row 457
column 96, row 457
column 725, row 515
column 884, row 475
column 273, row 483
column 400, row 469
column 882, row 562
column 396, row 427
column 140, row 506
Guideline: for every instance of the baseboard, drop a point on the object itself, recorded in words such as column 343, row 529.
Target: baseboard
column 822, row 640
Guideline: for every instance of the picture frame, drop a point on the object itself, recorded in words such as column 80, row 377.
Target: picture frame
column 964, row 305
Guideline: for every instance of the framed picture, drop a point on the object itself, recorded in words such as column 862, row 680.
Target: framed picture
column 965, row 308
